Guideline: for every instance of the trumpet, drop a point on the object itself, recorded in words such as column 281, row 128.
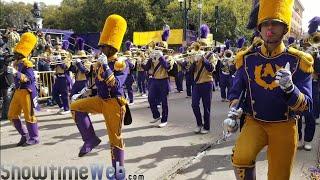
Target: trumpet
column 164, row 49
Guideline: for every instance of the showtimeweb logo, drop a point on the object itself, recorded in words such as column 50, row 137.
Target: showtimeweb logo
column 95, row 171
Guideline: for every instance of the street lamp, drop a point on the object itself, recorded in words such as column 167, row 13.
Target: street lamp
column 200, row 17
column 185, row 16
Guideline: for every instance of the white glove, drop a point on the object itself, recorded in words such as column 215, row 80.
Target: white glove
column 284, row 79
column 78, row 60
column 102, row 59
column 235, row 113
column 199, row 56
column 11, row 70
column 85, row 92
column 57, row 58
column 155, row 55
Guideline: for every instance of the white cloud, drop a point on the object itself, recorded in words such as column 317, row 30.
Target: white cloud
column 311, row 9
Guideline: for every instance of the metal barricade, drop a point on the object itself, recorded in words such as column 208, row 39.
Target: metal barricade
column 45, row 81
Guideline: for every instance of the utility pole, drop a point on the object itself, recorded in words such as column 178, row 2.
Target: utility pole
column 200, row 17
column 216, row 17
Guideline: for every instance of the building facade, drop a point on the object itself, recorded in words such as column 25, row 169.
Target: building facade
column 296, row 22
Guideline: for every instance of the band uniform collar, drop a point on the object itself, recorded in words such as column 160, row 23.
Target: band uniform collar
column 278, row 50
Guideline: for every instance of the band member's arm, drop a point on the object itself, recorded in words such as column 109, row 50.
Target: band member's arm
column 72, row 69
column 27, row 76
column 239, row 84
column 130, row 64
column 164, row 63
column 208, row 65
column 300, row 97
column 82, row 68
column 147, row 66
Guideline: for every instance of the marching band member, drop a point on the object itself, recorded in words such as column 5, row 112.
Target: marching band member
column 81, row 69
column 24, row 98
column 314, row 38
column 159, row 82
column 142, row 74
column 202, row 68
column 226, row 72
column 180, row 73
column 61, row 85
column 111, row 75
column 130, row 78
column 188, row 73
column 309, row 117
column 276, row 78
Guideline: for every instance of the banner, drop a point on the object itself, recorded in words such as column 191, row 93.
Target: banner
column 143, row 38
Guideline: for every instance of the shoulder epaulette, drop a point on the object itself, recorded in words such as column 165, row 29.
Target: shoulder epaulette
column 240, row 56
column 306, row 60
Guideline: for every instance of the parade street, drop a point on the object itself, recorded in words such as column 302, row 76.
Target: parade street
column 172, row 152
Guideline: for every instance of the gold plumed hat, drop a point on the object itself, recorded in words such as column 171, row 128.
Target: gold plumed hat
column 113, row 31
column 280, row 10
column 27, row 42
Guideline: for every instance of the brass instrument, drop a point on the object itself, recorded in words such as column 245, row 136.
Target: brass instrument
column 165, row 50
column 206, row 48
column 228, row 54
column 315, row 38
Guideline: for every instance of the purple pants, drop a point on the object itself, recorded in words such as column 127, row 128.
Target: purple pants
column 128, row 83
column 189, row 83
column 60, row 92
column 179, row 81
column 142, row 81
column 202, row 91
column 316, row 98
column 159, row 90
column 225, row 83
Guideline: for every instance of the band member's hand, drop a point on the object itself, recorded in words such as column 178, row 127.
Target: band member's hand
column 284, row 79
column 78, row 60
column 156, row 54
column 102, row 59
column 85, row 92
column 235, row 113
column 57, row 58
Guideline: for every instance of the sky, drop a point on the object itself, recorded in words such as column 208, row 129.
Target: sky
column 311, row 8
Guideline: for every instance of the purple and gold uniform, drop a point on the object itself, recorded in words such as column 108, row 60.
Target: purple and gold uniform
column 81, row 71
column 270, row 110
column 188, row 74
column 61, row 85
column 180, row 73
column 202, row 90
column 109, row 100
column 158, row 87
column 130, row 78
column 24, row 98
column 142, row 75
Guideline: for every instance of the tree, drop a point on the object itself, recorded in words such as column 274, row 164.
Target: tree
column 14, row 14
